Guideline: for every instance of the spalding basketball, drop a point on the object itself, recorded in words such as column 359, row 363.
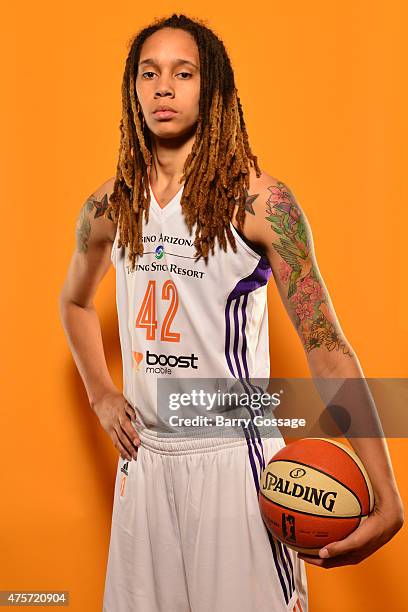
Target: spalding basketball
column 314, row 491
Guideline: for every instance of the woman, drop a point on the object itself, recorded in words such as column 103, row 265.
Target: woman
column 191, row 298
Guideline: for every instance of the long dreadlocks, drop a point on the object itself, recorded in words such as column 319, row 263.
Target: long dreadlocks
column 215, row 173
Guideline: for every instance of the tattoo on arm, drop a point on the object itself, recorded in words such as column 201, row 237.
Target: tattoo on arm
column 306, row 295
column 249, row 200
column 83, row 228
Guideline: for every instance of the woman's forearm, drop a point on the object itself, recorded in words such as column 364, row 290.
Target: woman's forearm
column 83, row 331
column 352, row 394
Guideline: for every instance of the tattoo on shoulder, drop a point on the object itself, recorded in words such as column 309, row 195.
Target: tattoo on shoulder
column 249, row 199
column 83, row 227
column 305, row 292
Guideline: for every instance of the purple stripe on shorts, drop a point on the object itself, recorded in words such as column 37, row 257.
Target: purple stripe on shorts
column 256, row 279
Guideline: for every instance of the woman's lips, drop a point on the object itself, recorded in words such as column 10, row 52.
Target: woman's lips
column 164, row 114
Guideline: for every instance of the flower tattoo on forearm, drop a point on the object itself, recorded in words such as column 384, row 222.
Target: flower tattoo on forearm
column 306, row 295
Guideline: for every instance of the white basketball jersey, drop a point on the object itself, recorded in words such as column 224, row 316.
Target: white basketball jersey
column 184, row 318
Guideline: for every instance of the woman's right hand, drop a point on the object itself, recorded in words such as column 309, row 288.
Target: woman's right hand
column 115, row 415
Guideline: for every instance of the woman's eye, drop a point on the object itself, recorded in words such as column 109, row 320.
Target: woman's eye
column 150, row 72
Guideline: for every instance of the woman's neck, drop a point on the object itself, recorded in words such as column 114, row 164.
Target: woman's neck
column 168, row 159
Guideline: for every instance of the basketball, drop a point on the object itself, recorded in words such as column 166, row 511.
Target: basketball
column 314, row 491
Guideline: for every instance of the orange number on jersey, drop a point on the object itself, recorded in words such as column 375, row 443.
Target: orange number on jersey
column 146, row 317
column 169, row 291
column 147, row 313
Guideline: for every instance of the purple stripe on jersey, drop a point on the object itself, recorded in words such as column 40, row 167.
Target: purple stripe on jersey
column 244, row 351
column 252, row 460
column 244, row 340
column 256, row 279
column 281, row 546
column 236, row 338
column 244, row 359
column 227, row 337
column 253, row 428
column 254, row 431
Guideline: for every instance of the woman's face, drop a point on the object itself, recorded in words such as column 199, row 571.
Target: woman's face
column 168, row 74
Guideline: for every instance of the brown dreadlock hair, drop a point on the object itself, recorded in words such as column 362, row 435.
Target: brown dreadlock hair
column 215, row 173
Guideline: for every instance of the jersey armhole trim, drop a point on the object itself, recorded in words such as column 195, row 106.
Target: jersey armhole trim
column 246, row 246
column 113, row 250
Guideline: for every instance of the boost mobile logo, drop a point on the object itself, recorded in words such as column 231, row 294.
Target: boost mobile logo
column 137, row 359
column 180, row 361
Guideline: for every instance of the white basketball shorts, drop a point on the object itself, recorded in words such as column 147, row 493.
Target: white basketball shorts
column 187, row 534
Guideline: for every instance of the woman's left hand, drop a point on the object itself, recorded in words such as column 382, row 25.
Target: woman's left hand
column 381, row 525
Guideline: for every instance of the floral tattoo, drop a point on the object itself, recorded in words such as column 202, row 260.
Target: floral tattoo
column 83, row 228
column 305, row 293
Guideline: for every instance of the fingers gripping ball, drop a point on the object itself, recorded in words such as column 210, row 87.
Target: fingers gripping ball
column 314, row 491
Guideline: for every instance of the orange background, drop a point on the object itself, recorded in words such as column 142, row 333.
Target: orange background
column 322, row 87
